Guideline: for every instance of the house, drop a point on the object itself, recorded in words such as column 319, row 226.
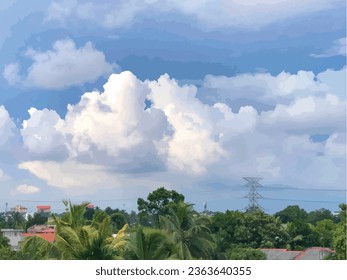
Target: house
column 41, row 228
column 314, row 253
column 20, row 209
column 43, row 209
column 47, row 232
column 49, row 235
column 14, row 237
column 90, row 206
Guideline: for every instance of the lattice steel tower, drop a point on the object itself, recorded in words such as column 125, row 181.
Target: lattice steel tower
column 253, row 195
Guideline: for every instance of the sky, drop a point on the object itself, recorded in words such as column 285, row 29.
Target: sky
column 105, row 101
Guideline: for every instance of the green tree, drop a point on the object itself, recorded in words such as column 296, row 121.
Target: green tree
column 240, row 253
column 4, row 242
column 189, row 232
column 76, row 240
column 158, row 203
column 339, row 235
column 37, row 248
column 319, row 215
column 292, row 213
column 252, row 229
column 148, row 244
column 7, row 254
column 118, row 220
column 324, row 231
column 302, row 235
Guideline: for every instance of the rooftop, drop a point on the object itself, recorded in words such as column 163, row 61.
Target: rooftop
column 314, row 253
column 49, row 236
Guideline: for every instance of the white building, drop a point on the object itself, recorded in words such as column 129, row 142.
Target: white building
column 14, row 236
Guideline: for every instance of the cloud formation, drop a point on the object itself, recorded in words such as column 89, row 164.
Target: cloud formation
column 338, row 48
column 7, row 127
column 27, row 189
column 269, row 89
column 112, row 138
column 41, row 135
column 63, row 66
column 251, row 14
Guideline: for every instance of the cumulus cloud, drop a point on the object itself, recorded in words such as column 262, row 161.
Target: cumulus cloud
column 7, row 127
column 73, row 177
column 114, row 126
column 41, row 135
column 27, row 189
column 338, row 48
column 251, row 14
column 63, row 66
column 263, row 90
column 192, row 145
column 112, row 139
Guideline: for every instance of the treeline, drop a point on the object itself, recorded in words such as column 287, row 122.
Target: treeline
column 167, row 227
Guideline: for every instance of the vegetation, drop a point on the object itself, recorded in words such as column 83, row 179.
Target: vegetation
column 166, row 227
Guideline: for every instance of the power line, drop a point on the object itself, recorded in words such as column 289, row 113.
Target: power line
column 299, row 200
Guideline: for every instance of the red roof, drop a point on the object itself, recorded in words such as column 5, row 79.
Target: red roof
column 49, row 236
column 43, row 207
column 328, row 250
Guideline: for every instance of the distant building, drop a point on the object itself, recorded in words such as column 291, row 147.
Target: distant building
column 314, row 253
column 90, row 206
column 43, row 209
column 14, row 236
column 49, row 236
column 41, row 228
column 20, row 209
column 47, row 232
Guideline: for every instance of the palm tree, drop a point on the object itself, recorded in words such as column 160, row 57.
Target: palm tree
column 37, row 248
column 189, row 232
column 148, row 244
column 73, row 216
column 74, row 240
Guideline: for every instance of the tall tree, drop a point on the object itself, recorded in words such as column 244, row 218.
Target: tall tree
column 189, row 232
column 256, row 229
column 319, row 215
column 76, row 240
column 158, row 203
column 292, row 213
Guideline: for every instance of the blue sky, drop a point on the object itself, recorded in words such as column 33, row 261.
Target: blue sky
column 108, row 100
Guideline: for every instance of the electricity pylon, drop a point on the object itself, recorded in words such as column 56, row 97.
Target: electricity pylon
column 253, row 195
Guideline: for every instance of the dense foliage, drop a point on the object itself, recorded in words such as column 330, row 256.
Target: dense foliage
column 166, row 227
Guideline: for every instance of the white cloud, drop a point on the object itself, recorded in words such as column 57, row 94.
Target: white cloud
column 63, row 66
column 338, row 48
column 74, row 178
column 335, row 80
column 114, row 127
column 192, row 146
column 112, row 141
column 251, row 14
column 7, row 127
column 11, row 73
column 264, row 87
column 27, row 189
column 41, row 135
column 309, row 115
